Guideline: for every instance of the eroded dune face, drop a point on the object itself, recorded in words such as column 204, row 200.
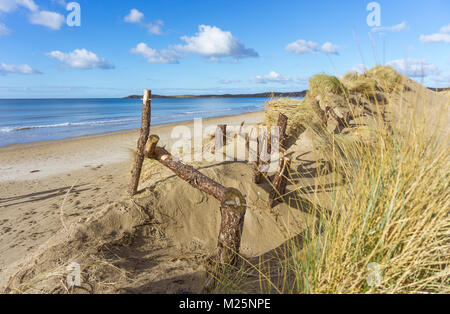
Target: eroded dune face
column 191, row 219
column 164, row 233
column 45, row 271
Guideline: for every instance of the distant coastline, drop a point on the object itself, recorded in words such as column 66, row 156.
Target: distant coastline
column 258, row 95
column 439, row 89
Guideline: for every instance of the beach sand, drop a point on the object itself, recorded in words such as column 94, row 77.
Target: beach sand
column 36, row 177
column 161, row 239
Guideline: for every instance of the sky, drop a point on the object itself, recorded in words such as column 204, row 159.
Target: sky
column 90, row 49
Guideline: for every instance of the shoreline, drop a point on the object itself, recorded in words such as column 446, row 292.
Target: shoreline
column 36, row 177
column 38, row 160
column 10, row 147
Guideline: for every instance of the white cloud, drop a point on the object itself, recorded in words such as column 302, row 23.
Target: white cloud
column 435, row 38
column 442, row 37
column 48, row 19
column 134, row 16
column 414, row 67
column 81, row 59
column 156, row 56
column 302, row 47
column 4, row 30
column 214, row 44
column 11, row 5
column 155, row 28
column 210, row 42
column 330, row 48
column 272, row 77
column 391, row 29
column 17, row 69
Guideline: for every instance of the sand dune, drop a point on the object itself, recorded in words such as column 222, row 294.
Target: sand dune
column 36, row 177
column 159, row 241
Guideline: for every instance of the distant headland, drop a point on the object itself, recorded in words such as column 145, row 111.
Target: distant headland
column 261, row 95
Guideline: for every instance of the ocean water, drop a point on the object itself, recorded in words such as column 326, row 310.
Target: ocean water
column 31, row 120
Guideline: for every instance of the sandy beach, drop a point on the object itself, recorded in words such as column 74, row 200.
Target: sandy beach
column 204, row 152
column 35, row 178
column 63, row 204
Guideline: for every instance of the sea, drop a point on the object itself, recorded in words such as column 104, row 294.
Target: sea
column 32, row 120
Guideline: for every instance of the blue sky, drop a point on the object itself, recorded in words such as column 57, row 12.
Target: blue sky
column 206, row 46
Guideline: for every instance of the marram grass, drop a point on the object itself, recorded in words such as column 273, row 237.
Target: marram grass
column 389, row 220
column 393, row 211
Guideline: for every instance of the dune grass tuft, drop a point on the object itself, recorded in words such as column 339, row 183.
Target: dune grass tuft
column 387, row 79
column 321, row 84
column 359, row 83
column 299, row 112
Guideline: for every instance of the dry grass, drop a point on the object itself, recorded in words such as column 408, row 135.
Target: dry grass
column 359, row 84
column 386, row 78
column 390, row 220
column 299, row 112
column 322, row 84
column 393, row 211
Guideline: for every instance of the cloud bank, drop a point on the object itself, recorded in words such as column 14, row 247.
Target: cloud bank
column 442, row 37
column 210, row 42
column 81, row 59
column 52, row 20
column 11, row 5
column 156, row 56
column 215, row 44
column 303, row 47
column 24, row 69
column 136, row 17
column 272, row 77
column 48, row 19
